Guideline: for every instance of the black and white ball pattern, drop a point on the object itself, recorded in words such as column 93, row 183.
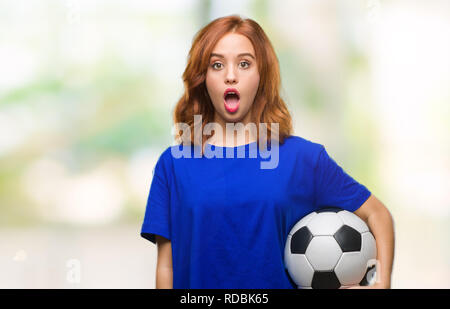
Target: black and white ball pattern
column 330, row 248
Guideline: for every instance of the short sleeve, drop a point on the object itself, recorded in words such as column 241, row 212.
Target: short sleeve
column 333, row 187
column 157, row 212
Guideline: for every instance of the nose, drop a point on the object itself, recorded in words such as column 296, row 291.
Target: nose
column 230, row 77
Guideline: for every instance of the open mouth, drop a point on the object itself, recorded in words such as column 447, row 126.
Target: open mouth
column 231, row 100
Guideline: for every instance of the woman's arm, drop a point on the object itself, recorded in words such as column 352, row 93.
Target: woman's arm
column 381, row 224
column 164, row 273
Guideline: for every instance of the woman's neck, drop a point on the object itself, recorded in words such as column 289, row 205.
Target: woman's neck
column 232, row 136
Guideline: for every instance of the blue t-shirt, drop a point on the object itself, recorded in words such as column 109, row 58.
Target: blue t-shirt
column 228, row 219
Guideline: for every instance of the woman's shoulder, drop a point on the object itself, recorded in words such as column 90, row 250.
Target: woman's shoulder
column 302, row 143
column 302, row 148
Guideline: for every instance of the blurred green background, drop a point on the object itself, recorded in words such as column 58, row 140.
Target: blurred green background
column 87, row 90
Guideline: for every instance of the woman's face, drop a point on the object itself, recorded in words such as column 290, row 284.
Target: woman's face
column 232, row 65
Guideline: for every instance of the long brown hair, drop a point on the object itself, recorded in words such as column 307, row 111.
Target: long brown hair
column 267, row 108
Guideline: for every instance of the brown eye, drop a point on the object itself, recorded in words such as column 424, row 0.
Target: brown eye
column 213, row 65
column 248, row 64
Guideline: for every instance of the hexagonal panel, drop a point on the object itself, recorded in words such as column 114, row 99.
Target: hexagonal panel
column 351, row 268
column 348, row 239
column 300, row 240
column 354, row 221
column 325, row 280
column 325, row 223
column 299, row 269
column 290, row 279
column 287, row 250
column 302, row 222
column 369, row 246
column 323, row 253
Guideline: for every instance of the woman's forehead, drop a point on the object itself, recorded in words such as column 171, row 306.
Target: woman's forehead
column 233, row 43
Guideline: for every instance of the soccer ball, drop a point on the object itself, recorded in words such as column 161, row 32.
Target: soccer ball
column 330, row 248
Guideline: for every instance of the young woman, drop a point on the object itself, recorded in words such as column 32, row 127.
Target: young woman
column 221, row 221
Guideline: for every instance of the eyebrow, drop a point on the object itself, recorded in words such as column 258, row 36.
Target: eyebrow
column 240, row 55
